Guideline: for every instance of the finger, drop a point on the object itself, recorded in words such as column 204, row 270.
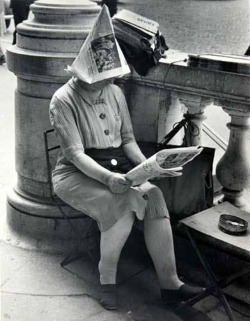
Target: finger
column 176, row 169
column 123, row 188
column 177, row 173
column 124, row 182
column 119, row 190
column 129, row 182
column 120, row 185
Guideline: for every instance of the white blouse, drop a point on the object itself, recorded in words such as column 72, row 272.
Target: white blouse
column 83, row 120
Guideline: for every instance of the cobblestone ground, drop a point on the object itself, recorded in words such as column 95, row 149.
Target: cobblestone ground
column 199, row 26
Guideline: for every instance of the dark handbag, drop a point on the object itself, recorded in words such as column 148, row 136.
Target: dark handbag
column 140, row 49
column 193, row 191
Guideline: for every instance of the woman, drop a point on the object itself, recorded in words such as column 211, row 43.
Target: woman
column 94, row 118
column 98, row 146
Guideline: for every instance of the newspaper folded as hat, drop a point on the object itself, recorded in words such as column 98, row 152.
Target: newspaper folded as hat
column 100, row 56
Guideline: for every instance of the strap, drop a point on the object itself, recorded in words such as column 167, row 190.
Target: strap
column 176, row 128
column 191, row 130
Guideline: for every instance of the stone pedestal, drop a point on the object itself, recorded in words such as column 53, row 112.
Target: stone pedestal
column 46, row 43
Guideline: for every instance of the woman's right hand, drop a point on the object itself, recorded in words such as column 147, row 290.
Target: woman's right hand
column 118, row 184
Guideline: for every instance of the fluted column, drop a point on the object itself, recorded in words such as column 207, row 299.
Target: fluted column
column 196, row 106
column 46, row 43
column 233, row 169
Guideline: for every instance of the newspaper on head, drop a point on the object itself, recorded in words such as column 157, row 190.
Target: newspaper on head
column 167, row 162
column 100, row 56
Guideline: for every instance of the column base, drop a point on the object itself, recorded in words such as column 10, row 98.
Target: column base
column 32, row 226
column 235, row 197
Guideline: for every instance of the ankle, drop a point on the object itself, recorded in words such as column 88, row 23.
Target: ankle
column 107, row 274
column 106, row 279
column 171, row 284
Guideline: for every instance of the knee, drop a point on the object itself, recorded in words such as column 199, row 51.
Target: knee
column 156, row 204
column 155, row 194
column 156, row 198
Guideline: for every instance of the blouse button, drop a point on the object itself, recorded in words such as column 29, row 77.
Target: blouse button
column 106, row 132
column 113, row 162
column 102, row 116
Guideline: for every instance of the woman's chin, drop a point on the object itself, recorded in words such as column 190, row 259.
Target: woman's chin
column 97, row 85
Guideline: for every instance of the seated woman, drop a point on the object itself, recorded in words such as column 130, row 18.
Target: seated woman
column 97, row 147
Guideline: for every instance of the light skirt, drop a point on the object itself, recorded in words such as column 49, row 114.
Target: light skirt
column 97, row 201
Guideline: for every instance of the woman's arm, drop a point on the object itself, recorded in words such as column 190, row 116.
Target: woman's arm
column 91, row 168
column 63, row 121
column 133, row 153
column 116, row 182
column 130, row 147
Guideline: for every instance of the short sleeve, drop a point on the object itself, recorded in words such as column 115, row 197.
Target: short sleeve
column 63, row 121
column 127, row 133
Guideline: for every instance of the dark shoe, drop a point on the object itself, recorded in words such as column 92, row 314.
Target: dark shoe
column 108, row 296
column 184, row 293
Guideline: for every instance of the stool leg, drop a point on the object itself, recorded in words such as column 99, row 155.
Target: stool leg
column 211, row 277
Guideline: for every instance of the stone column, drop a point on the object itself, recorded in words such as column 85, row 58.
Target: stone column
column 46, row 43
column 233, row 169
column 196, row 106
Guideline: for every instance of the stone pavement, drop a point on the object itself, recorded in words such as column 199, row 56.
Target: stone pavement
column 35, row 287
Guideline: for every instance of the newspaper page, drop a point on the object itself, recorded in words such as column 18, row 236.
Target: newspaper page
column 100, row 56
column 167, row 162
column 139, row 22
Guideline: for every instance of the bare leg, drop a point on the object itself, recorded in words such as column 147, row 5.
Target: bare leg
column 112, row 242
column 159, row 242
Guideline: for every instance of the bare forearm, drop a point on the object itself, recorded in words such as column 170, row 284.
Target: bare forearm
column 116, row 182
column 133, row 152
column 91, row 168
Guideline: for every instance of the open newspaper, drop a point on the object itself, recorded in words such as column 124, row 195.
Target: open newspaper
column 167, row 162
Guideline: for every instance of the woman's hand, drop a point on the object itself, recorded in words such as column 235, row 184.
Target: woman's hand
column 118, row 184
